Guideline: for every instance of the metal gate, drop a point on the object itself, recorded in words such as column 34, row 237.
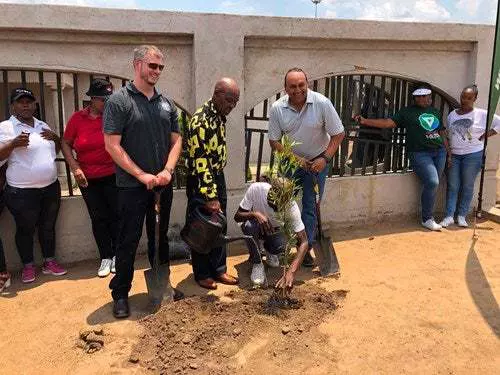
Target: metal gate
column 60, row 93
column 364, row 151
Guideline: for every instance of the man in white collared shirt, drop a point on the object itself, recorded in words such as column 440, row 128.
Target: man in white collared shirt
column 308, row 118
column 33, row 192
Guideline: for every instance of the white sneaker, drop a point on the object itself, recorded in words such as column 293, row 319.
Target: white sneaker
column 105, row 268
column 448, row 220
column 431, row 225
column 258, row 275
column 462, row 222
column 113, row 265
column 272, row 260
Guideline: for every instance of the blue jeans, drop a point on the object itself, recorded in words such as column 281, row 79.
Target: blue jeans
column 461, row 177
column 305, row 179
column 428, row 166
column 252, row 228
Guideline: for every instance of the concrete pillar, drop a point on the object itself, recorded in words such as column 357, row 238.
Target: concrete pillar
column 218, row 52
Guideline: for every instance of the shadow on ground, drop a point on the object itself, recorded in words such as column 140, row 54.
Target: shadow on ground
column 138, row 309
column 480, row 290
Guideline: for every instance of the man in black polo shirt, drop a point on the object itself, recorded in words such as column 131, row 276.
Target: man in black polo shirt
column 141, row 133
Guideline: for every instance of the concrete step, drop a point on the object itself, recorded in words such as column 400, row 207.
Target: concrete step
column 492, row 214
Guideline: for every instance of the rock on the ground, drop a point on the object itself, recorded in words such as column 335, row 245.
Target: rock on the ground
column 133, row 359
column 84, row 333
column 93, row 347
column 81, row 344
column 92, row 337
column 237, row 331
column 285, row 330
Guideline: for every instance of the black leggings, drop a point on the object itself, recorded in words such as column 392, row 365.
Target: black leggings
column 101, row 198
column 34, row 208
column 3, row 266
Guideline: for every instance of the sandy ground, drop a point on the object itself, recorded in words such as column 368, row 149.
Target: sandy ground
column 419, row 302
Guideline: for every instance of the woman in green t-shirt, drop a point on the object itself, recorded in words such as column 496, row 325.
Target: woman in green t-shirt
column 426, row 144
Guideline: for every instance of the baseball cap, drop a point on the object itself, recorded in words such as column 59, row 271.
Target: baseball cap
column 421, row 91
column 100, row 88
column 21, row 92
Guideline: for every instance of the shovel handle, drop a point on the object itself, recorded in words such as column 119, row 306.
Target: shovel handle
column 318, row 203
column 157, row 208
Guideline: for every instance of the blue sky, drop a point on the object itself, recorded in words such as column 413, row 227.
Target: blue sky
column 460, row 11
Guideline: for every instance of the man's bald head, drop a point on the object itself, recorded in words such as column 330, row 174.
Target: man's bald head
column 226, row 95
column 226, row 85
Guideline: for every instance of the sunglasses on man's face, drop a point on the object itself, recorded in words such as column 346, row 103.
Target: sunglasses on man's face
column 154, row 66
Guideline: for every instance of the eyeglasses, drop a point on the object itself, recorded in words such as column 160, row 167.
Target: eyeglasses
column 154, row 66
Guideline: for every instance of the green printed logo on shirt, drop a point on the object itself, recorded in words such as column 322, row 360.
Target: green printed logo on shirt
column 428, row 121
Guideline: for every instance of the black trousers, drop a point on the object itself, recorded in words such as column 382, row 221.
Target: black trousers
column 166, row 198
column 214, row 263
column 3, row 266
column 101, row 198
column 133, row 204
column 34, row 208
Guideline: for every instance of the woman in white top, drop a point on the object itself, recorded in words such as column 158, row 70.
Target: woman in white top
column 466, row 132
column 33, row 192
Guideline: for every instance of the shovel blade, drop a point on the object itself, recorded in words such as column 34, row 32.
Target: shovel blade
column 160, row 290
column 327, row 259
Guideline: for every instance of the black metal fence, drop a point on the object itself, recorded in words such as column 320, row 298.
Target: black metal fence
column 364, row 150
column 60, row 93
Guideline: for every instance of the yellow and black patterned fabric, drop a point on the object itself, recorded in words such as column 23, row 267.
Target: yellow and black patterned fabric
column 207, row 156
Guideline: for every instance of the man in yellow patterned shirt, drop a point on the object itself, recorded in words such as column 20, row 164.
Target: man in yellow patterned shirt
column 207, row 156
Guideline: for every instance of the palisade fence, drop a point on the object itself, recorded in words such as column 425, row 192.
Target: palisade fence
column 60, row 93
column 364, row 151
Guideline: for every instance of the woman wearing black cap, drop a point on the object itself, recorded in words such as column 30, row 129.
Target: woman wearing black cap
column 33, row 193
column 426, row 144
column 94, row 170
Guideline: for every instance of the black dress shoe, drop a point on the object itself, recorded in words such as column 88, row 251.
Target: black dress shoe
column 308, row 260
column 121, row 309
column 178, row 295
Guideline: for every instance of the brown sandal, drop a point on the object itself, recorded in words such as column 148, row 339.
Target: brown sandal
column 4, row 280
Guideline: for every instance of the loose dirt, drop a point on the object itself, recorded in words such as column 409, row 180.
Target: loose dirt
column 419, row 302
column 206, row 333
column 91, row 340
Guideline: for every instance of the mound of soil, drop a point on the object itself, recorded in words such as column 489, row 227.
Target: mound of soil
column 203, row 335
